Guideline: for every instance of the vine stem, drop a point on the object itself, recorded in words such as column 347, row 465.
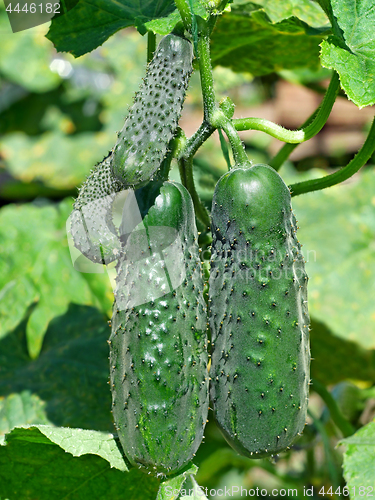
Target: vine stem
column 185, row 166
column 342, row 423
column 344, row 173
column 151, row 45
column 306, row 132
column 184, row 9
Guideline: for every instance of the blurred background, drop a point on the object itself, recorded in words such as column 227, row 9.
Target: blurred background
column 58, row 118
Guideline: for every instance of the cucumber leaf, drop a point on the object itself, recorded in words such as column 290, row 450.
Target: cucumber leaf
column 45, row 462
column 351, row 50
column 90, row 24
column 306, row 10
column 246, row 40
column 36, row 271
column 359, row 461
column 67, row 384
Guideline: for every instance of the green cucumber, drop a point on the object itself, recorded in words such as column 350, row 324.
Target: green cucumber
column 258, row 313
column 158, row 344
column 153, row 119
column 92, row 228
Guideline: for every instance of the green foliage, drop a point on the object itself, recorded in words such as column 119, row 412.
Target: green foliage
column 351, row 50
column 246, row 40
column 341, row 217
column 58, row 117
column 42, row 255
column 359, row 459
column 89, row 466
column 96, row 21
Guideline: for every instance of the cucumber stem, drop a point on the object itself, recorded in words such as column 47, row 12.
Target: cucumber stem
column 344, row 173
column 184, row 9
column 295, row 136
column 205, row 69
column 151, row 45
column 185, row 166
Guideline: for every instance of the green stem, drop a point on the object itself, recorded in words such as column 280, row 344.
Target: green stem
column 186, row 173
column 295, row 136
column 195, row 141
column 330, row 462
column 284, row 153
column 205, row 69
column 151, row 45
column 345, row 427
column 311, row 127
column 344, row 173
column 238, row 150
column 184, row 9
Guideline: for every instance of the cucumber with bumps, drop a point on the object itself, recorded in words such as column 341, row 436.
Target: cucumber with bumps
column 92, row 228
column 258, row 313
column 153, row 119
column 158, row 346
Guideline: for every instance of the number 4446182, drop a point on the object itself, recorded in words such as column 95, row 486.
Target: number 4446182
column 32, row 8
column 362, row 491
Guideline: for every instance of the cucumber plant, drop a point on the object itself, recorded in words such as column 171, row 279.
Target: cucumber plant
column 257, row 314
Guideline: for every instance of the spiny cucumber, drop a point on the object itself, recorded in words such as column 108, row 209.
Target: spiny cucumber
column 158, row 346
column 92, row 228
column 152, row 121
column 258, row 313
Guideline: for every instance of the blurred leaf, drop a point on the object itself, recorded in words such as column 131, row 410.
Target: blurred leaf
column 350, row 361
column 89, row 24
column 36, row 268
column 306, row 10
column 245, row 40
column 67, row 385
column 359, row 461
column 337, row 229
column 351, row 51
column 33, row 466
column 60, row 161
column 25, row 57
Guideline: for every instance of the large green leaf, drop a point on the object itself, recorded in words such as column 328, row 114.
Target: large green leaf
column 67, row 385
column 306, row 10
column 38, row 462
column 246, row 40
column 359, row 462
column 36, row 270
column 337, row 229
column 351, row 51
column 89, row 24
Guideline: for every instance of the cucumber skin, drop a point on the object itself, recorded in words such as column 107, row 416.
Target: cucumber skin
column 158, row 349
column 92, row 228
column 153, row 119
column 259, row 321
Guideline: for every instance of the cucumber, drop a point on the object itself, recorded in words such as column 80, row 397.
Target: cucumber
column 92, row 228
column 158, row 344
column 258, row 314
column 152, row 121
